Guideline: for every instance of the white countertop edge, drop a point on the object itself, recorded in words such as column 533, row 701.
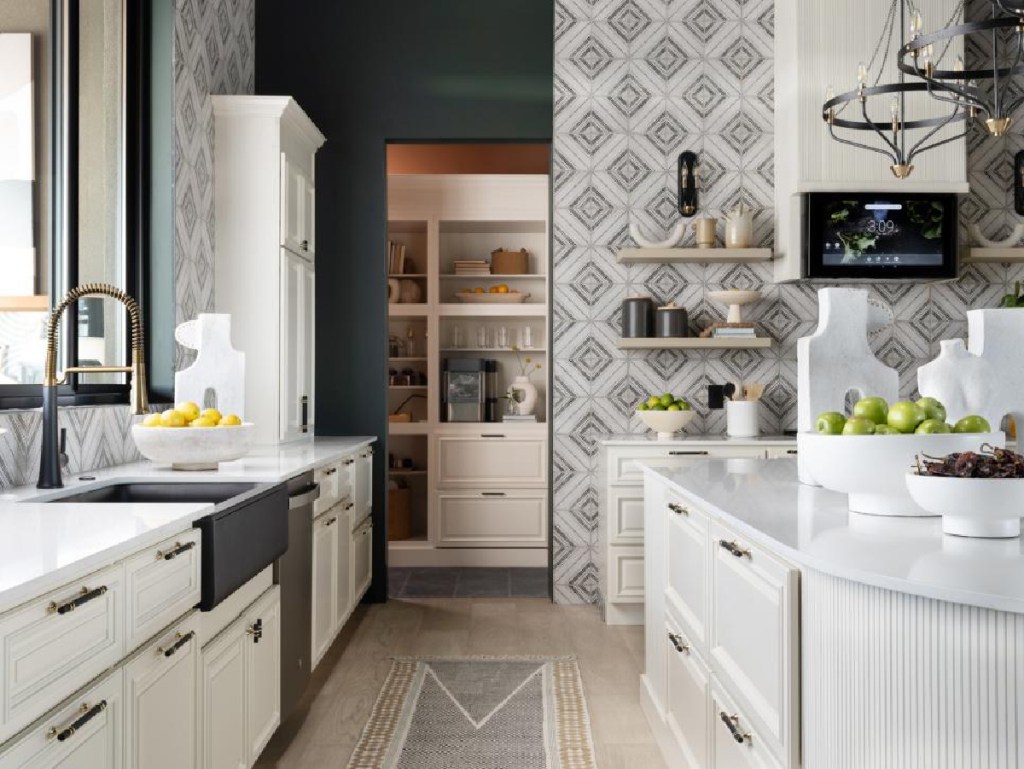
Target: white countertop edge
column 802, row 559
column 650, row 439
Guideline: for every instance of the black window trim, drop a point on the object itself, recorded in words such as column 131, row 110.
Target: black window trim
column 63, row 134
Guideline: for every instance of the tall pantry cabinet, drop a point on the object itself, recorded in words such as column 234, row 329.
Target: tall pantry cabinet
column 265, row 193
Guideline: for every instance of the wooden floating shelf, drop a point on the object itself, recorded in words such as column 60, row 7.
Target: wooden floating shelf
column 494, row 278
column 979, row 254
column 407, row 360
column 496, row 310
column 403, row 471
column 521, row 351
column 407, row 275
column 670, row 255
column 408, row 428
column 693, row 343
column 399, row 310
column 407, row 387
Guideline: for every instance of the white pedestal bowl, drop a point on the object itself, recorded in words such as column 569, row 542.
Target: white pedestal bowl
column 872, row 469
column 666, row 423
column 971, row 507
column 194, row 448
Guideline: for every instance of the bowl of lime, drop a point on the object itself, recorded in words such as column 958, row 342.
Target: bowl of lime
column 665, row 414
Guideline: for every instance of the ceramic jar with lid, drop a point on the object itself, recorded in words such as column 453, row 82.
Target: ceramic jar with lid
column 637, row 317
column 671, row 321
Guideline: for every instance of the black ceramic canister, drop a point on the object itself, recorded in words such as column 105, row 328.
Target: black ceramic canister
column 671, row 321
column 637, row 317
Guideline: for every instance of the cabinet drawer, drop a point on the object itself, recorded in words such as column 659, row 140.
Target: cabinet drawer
column 625, row 515
column 623, row 467
column 492, row 519
column 96, row 742
column 687, row 586
column 781, row 452
column 335, row 481
column 362, row 559
column 737, row 744
column 161, row 584
column 754, row 636
column 688, row 698
column 625, row 574
column 497, row 461
column 58, row 643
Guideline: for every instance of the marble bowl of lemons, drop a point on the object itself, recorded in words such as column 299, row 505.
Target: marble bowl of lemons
column 189, row 438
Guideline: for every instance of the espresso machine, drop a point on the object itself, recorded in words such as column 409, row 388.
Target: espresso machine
column 470, row 390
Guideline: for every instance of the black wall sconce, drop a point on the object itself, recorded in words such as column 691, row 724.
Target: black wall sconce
column 689, row 183
column 1018, row 182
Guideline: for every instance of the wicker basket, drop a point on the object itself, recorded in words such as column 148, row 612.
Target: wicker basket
column 510, row 262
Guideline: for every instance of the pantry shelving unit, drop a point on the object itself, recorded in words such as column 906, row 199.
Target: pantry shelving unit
column 478, row 493
column 704, row 255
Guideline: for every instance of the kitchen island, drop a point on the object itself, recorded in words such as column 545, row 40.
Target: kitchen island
column 782, row 630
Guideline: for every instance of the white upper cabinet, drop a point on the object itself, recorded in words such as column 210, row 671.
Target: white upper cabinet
column 265, row 195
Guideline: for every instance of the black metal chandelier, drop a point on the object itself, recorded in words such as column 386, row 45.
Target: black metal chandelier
column 852, row 110
column 995, row 103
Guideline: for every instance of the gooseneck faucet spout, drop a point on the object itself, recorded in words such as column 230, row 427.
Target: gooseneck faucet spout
column 49, row 462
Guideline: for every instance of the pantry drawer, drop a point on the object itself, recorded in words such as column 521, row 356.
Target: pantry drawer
column 161, row 584
column 56, row 644
column 687, row 530
column 688, row 700
column 737, row 744
column 626, row 574
column 623, row 467
column 625, row 515
column 335, row 481
column 754, row 636
column 492, row 519
column 498, row 460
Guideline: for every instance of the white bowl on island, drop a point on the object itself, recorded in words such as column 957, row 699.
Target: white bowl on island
column 872, row 469
column 971, row 507
column 194, row 448
column 666, row 423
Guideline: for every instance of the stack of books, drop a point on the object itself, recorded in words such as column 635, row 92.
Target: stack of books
column 729, row 330
column 396, row 258
column 471, row 267
column 519, row 418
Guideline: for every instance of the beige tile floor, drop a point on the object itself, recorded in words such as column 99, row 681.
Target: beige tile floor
column 345, row 685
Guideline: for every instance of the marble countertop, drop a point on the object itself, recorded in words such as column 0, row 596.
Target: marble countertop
column 685, row 439
column 44, row 545
column 812, row 528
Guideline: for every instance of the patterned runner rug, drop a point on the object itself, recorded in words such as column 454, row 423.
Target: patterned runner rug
column 478, row 713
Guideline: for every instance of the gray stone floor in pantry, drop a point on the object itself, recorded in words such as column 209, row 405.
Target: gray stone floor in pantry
column 444, row 582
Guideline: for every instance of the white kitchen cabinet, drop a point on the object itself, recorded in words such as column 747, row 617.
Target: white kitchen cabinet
column 297, row 351
column 161, row 584
column 263, row 672
column 688, row 697
column 161, row 700
column 626, row 574
column 344, row 592
column 515, row 518
column 736, row 744
column 491, row 459
column 325, row 580
column 362, row 486
column 686, row 591
column 264, row 196
column 362, row 559
column 86, row 732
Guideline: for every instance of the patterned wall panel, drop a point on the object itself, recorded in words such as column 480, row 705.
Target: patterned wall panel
column 636, row 83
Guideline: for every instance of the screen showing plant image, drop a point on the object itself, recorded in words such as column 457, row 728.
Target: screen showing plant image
column 890, row 231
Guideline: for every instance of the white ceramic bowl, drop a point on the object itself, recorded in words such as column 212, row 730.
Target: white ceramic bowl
column 872, row 469
column 193, row 448
column 666, row 423
column 971, row 507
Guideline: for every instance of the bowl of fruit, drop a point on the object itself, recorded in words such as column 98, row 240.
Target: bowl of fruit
column 187, row 438
column 977, row 493
column 665, row 414
column 867, row 453
column 499, row 294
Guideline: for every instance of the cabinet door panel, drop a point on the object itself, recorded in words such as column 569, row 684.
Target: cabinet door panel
column 687, row 554
column 625, row 515
column 507, row 519
column 362, row 560
column 158, row 590
column 736, row 744
column 362, row 489
column 500, row 461
column 263, row 671
column 325, row 581
column 688, row 704
column 160, row 697
column 625, row 574
column 296, row 201
column 623, row 467
column 297, row 336
column 344, row 595
column 223, row 703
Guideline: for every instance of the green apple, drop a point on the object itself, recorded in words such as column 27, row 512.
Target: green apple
column 873, row 408
column 905, row 416
column 653, row 401
column 886, row 430
column 933, row 409
column 684, row 405
column 859, row 426
column 930, row 426
column 830, row 423
column 972, row 424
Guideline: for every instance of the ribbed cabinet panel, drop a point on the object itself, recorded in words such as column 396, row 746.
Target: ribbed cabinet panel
column 894, row 681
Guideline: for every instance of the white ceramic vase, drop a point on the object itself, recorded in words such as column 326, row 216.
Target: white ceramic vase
column 739, row 228
column 528, row 395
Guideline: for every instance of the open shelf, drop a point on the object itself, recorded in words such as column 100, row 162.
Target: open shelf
column 979, row 254
column 398, row 310
column 510, row 310
column 407, row 360
column 693, row 343
column 408, row 428
column 493, row 278
column 669, row 255
column 407, row 275
column 495, row 350
column 405, row 472
column 407, row 387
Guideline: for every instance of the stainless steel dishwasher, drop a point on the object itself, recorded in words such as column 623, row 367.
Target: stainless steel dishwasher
column 294, row 573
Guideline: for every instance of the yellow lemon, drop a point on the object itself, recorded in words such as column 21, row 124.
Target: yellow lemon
column 230, row 420
column 152, row 420
column 478, row 290
column 502, row 289
column 203, row 422
column 212, row 414
column 173, row 418
column 189, row 409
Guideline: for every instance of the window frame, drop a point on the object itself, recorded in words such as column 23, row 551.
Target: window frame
column 63, row 218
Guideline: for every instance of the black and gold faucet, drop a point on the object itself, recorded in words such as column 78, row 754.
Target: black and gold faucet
column 49, row 462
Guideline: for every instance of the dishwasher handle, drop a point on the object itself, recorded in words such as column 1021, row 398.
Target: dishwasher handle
column 304, row 496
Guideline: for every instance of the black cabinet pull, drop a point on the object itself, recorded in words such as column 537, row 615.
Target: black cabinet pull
column 348, row 462
column 491, row 435
column 493, row 493
column 305, row 245
column 173, row 553
column 677, row 642
column 688, row 453
column 256, row 630
column 179, row 641
column 791, row 451
column 82, row 598
column 331, row 522
column 678, row 509
column 88, row 714
column 732, row 723
column 734, row 548
column 305, row 413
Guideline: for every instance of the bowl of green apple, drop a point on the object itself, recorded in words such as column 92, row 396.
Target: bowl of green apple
column 866, row 454
column 665, row 414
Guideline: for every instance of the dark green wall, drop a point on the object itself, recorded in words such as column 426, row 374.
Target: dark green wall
column 391, row 70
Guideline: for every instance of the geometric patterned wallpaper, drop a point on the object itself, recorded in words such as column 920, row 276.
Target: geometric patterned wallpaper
column 636, row 83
